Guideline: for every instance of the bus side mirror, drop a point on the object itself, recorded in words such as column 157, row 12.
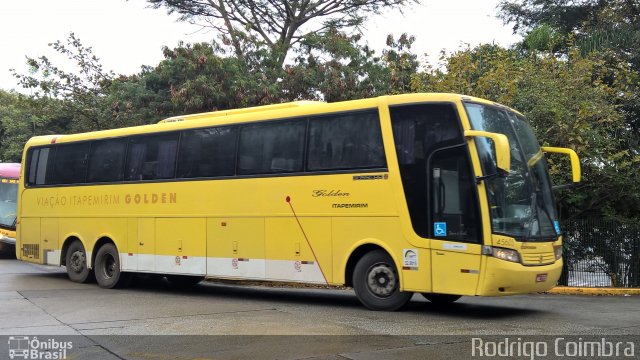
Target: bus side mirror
column 575, row 162
column 501, row 145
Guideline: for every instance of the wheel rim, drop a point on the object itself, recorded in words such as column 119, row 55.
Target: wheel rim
column 77, row 261
column 381, row 280
column 108, row 266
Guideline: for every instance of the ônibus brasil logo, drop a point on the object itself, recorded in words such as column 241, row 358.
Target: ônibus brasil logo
column 25, row 347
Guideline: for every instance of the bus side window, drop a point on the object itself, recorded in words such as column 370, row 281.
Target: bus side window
column 271, row 148
column 44, row 170
column 33, row 166
column 70, row 163
column 346, row 141
column 207, row 152
column 106, row 160
column 151, row 157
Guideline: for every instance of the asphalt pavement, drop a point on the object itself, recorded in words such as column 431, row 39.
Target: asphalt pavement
column 150, row 320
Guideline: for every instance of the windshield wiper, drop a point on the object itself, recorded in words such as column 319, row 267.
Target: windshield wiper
column 535, row 158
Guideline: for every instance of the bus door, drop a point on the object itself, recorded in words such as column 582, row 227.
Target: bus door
column 440, row 192
column 456, row 244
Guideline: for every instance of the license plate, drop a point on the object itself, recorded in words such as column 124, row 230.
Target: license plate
column 541, row 277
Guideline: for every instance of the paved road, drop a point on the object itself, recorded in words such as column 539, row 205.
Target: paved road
column 38, row 300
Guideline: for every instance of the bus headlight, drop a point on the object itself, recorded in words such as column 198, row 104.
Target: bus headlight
column 502, row 253
column 558, row 251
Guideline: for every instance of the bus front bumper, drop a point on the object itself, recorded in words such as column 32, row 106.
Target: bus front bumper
column 7, row 244
column 509, row 278
column 7, row 240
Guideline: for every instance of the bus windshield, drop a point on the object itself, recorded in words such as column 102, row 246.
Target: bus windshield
column 8, row 197
column 522, row 204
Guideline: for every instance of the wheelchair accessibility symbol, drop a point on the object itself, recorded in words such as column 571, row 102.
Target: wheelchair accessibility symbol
column 440, row 229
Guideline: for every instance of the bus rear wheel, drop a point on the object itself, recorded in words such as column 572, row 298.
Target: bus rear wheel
column 377, row 284
column 441, row 299
column 107, row 268
column 76, row 263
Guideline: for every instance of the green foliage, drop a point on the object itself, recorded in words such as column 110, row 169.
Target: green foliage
column 335, row 67
column 585, row 100
column 574, row 102
column 81, row 92
column 22, row 117
column 543, row 38
column 601, row 40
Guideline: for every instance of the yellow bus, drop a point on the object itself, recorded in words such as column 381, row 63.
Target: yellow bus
column 440, row 194
column 9, row 174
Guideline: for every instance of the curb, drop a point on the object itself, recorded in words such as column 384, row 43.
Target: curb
column 595, row 291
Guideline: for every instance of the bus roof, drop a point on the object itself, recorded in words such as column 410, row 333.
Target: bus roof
column 253, row 114
column 9, row 170
column 253, row 109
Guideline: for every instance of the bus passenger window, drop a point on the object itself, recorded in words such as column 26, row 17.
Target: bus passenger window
column 207, row 152
column 151, row 157
column 33, row 165
column 70, row 163
column 271, row 148
column 346, row 141
column 106, row 160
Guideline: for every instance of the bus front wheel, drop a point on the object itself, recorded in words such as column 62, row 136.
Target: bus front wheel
column 107, row 268
column 377, row 284
column 76, row 263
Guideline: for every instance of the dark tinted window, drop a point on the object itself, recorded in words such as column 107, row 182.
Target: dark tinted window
column 453, row 208
column 106, row 160
column 42, row 158
column 346, row 141
column 37, row 165
column 207, row 152
column 70, row 164
column 33, row 166
column 419, row 130
column 151, row 157
column 275, row 147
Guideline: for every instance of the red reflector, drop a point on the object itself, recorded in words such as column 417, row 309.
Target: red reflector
column 130, row 254
column 185, row 257
column 541, row 277
column 53, row 141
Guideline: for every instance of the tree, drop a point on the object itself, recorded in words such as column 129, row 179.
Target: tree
column 334, row 66
column 22, row 117
column 592, row 25
column 607, row 31
column 574, row 102
column 82, row 93
column 278, row 25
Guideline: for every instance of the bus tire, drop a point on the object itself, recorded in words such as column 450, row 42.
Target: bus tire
column 76, row 263
column 377, row 284
column 441, row 299
column 183, row 281
column 107, row 268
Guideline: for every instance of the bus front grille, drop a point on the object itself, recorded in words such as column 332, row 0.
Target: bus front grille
column 31, row 251
column 538, row 258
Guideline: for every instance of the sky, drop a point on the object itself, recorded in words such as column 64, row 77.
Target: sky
column 127, row 34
